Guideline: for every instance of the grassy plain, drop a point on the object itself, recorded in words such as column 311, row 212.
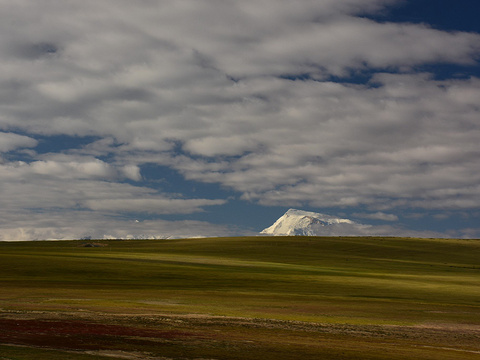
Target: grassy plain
column 241, row 298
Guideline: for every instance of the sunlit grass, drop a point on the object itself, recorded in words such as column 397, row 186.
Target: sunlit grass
column 364, row 285
column 284, row 278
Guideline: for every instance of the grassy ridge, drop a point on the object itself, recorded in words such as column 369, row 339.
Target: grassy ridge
column 212, row 274
column 352, row 281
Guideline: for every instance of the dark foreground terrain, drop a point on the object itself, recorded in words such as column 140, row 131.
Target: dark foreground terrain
column 241, row 298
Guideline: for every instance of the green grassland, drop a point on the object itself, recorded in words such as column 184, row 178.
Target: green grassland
column 247, row 298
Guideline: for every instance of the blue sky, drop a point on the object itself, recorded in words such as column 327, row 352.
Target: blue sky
column 212, row 118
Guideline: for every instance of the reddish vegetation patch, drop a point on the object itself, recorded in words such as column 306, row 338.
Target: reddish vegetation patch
column 80, row 335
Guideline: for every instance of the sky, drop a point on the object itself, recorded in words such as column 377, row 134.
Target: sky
column 213, row 117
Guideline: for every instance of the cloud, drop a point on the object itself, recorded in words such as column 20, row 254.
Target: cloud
column 262, row 97
column 45, row 183
column 131, row 172
column 59, row 167
column 58, row 206
column 410, row 141
column 12, row 141
column 77, row 225
column 88, row 169
column 377, row 216
column 148, row 67
column 156, row 205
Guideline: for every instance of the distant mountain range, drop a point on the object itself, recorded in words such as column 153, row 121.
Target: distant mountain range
column 305, row 223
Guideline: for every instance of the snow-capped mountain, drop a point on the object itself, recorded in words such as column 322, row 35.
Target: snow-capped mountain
column 306, row 223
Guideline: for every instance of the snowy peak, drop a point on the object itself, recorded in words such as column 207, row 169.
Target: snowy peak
column 317, row 216
column 306, row 223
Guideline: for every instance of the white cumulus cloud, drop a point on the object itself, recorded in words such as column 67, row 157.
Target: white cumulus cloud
column 12, row 141
column 262, row 97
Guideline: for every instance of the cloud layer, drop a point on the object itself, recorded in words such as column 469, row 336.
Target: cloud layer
column 287, row 103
